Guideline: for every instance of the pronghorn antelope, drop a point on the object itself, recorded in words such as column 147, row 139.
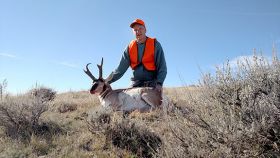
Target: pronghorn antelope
column 130, row 99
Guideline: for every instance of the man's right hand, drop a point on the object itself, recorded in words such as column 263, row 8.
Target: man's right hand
column 158, row 88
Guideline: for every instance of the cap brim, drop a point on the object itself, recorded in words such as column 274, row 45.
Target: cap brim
column 132, row 24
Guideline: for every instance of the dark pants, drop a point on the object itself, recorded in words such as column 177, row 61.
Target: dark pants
column 139, row 83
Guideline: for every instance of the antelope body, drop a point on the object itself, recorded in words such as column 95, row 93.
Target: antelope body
column 130, row 99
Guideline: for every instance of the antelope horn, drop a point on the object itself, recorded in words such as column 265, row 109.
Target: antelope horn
column 89, row 73
column 100, row 69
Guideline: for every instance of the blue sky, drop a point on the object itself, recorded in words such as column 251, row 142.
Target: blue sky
column 48, row 42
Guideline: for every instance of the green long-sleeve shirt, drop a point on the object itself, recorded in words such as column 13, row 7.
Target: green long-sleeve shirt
column 140, row 72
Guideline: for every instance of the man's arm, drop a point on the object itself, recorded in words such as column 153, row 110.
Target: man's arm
column 160, row 64
column 121, row 69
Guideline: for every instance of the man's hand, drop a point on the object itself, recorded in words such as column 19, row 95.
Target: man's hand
column 158, row 88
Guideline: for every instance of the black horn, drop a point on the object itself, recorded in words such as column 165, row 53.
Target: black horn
column 100, row 69
column 89, row 73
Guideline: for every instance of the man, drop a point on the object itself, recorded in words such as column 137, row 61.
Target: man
column 146, row 58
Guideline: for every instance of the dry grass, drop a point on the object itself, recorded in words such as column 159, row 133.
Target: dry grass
column 234, row 113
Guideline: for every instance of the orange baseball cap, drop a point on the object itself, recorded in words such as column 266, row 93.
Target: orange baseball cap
column 137, row 21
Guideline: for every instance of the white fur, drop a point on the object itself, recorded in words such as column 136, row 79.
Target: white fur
column 129, row 100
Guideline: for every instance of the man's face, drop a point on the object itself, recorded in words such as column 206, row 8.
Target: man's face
column 140, row 32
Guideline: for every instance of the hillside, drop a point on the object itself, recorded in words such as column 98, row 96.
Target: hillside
column 234, row 113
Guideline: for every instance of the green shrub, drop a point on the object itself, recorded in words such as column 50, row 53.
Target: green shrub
column 138, row 140
column 67, row 107
column 20, row 115
column 240, row 108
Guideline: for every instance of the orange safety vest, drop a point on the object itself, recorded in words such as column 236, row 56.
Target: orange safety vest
column 148, row 59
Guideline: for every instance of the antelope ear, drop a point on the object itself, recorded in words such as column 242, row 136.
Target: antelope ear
column 109, row 78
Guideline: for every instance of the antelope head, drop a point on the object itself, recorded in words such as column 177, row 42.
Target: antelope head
column 99, row 85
